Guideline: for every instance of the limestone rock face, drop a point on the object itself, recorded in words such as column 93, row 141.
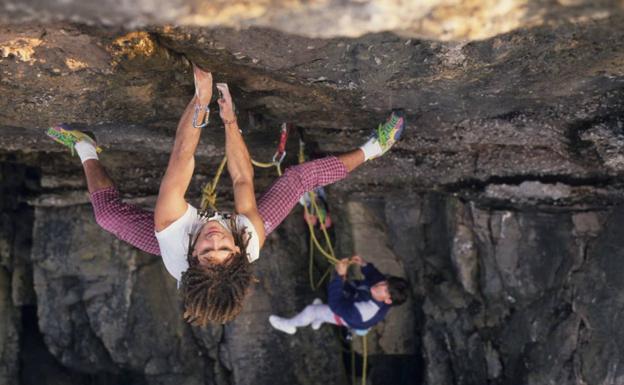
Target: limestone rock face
column 501, row 205
column 103, row 305
column 540, row 105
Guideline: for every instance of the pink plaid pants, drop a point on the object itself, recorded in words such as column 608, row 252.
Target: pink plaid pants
column 135, row 225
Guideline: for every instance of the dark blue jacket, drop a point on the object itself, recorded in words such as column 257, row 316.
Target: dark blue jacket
column 352, row 301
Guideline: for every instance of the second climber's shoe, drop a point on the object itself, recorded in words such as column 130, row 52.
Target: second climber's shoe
column 280, row 324
column 64, row 135
column 388, row 133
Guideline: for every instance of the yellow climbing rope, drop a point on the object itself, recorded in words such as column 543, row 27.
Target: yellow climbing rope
column 352, row 364
column 332, row 259
column 277, row 165
column 209, row 191
column 329, row 254
column 364, row 359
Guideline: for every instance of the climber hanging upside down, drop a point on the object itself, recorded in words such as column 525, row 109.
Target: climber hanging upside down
column 358, row 305
column 210, row 255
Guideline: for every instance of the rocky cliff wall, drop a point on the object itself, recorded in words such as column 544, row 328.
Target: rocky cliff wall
column 500, row 295
column 502, row 204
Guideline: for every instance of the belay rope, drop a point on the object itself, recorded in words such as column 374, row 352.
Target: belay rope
column 209, row 192
column 364, row 360
column 314, row 243
column 209, row 201
column 330, row 256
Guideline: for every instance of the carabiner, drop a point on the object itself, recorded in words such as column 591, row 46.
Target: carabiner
column 206, row 118
column 282, row 156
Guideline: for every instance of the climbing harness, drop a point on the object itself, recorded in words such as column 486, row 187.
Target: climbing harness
column 206, row 118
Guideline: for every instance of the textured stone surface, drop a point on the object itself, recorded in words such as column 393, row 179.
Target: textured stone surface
column 540, row 105
column 393, row 336
column 102, row 304
column 104, row 307
column 9, row 332
column 260, row 355
column 520, row 315
column 502, row 204
column 542, row 298
column 15, row 285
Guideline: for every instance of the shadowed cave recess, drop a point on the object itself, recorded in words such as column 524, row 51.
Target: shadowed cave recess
column 502, row 205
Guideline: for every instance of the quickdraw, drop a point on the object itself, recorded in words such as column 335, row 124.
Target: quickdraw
column 280, row 154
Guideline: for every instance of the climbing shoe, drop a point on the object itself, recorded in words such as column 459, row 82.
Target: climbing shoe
column 388, row 133
column 64, row 135
column 281, row 324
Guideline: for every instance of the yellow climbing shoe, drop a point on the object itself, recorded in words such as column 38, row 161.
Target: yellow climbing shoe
column 64, row 135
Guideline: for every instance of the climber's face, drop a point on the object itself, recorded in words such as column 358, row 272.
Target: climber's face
column 215, row 244
column 380, row 292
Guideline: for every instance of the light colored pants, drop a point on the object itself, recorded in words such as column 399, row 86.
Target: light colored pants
column 313, row 314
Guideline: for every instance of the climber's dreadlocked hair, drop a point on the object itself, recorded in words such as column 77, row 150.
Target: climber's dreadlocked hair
column 215, row 293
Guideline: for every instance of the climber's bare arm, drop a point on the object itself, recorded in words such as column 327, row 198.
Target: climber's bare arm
column 239, row 164
column 171, row 204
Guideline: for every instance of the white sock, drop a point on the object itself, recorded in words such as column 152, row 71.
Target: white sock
column 371, row 149
column 85, row 151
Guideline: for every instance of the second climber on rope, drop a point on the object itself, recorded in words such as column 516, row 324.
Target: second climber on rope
column 358, row 305
column 211, row 256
